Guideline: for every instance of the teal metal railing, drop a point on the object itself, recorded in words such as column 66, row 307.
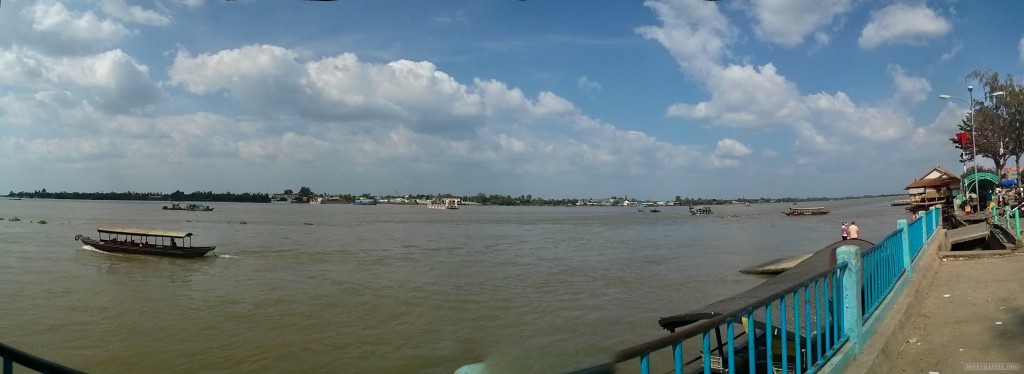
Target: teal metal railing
column 916, row 233
column 1009, row 218
column 816, row 315
column 883, row 265
column 797, row 328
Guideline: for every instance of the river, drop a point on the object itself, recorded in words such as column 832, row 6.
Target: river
column 385, row 288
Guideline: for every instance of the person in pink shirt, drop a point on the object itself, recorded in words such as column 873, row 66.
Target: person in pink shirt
column 854, row 230
column 844, row 231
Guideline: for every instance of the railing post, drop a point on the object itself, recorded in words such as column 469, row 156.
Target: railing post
column 925, row 227
column 936, row 216
column 1016, row 218
column 853, row 320
column 905, row 245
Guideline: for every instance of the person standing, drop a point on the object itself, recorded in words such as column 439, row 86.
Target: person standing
column 854, row 230
column 844, row 231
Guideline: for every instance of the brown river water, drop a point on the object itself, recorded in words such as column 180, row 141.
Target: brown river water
column 382, row 289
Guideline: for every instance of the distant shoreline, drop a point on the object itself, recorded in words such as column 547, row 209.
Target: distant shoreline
column 479, row 199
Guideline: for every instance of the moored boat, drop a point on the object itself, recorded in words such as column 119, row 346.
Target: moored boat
column 808, row 211
column 149, row 242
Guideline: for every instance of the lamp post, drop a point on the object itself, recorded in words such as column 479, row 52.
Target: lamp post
column 974, row 144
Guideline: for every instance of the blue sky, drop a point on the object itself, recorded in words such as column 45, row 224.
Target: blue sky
column 554, row 98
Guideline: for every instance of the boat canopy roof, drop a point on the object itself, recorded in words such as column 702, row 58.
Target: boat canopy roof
column 809, row 208
column 143, row 232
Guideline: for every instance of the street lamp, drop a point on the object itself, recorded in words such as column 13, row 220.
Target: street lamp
column 974, row 144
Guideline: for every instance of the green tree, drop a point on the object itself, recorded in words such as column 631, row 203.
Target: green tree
column 305, row 191
column 997, row 137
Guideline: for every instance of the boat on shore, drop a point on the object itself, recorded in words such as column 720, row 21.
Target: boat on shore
column 145, row 242
column 808, row 211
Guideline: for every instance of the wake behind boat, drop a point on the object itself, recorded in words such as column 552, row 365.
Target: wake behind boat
column 149, row 242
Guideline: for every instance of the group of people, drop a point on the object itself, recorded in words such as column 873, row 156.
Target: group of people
column 849, row 231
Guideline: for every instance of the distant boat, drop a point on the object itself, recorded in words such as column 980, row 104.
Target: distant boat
column 189, row 207
column 700, row 211
column 151, row 242
column 445, row 204
column 654, row 209
column 365, row 201
column 174, row 206
column 809, row 211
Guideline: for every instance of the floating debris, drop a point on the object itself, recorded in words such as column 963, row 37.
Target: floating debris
column 42, row 222
column 243, row 222
column 15, row 219
column 308, row 223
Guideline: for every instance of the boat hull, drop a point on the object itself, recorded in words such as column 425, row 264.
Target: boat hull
column 805, row 213
column 152, row 250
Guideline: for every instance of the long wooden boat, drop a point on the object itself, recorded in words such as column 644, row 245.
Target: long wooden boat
column 145, row 242
column 809, row 211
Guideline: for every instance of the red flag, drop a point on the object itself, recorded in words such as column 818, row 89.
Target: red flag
column 962, row 137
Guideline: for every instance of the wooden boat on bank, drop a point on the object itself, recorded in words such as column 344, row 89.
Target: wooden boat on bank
column 145, row 242
column 808, row 211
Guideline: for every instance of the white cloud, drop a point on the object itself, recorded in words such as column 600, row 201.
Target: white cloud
column 839, row 115
column 403, row 106
column 826, row 126
column 766, row 98
column 58, row 30
column 903, row 24
column 694, row 32
column 908, row 88
column 111, row 81
column 191, row 3
column 788, row 22
column 588, row 86
column 121, row 10
column 955, row 50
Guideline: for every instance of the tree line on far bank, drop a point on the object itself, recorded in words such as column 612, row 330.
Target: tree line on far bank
column 178, row 195
column 480, row 198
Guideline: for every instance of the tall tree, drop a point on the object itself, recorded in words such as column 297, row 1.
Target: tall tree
column 995, row 136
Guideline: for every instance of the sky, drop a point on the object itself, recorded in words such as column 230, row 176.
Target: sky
column 554, row 98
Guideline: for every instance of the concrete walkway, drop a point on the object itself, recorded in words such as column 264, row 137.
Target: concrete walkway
column 972, row 312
